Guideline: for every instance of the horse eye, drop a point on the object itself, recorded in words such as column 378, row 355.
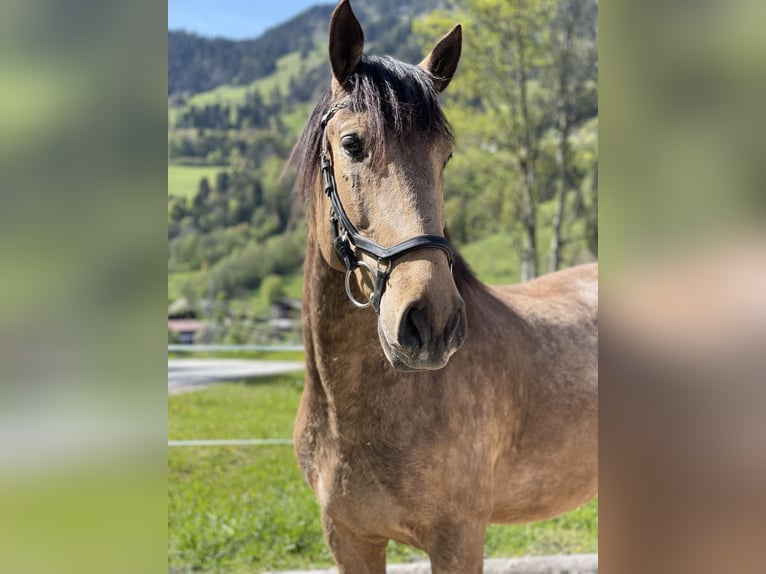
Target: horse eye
column 352, row 145
column 448, row 158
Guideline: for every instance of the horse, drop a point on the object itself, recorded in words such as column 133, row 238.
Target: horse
column 433, row 404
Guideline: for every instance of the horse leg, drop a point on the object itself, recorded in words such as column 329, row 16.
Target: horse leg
column 354, row 554
column 458, row 548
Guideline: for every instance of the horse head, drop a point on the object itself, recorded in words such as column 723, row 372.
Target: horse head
column 385, row 144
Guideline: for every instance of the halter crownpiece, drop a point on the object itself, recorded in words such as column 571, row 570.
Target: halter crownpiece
column 346, row 238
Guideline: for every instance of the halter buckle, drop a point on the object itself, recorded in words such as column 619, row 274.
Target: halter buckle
column 381, row 276
column 345, row 253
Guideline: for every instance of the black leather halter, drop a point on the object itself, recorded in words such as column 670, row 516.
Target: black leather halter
column 346, row 238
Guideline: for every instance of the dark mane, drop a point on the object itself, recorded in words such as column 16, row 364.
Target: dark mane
column 398, row 99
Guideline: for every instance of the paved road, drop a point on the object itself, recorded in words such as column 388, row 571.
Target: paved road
column 563, row 564
column 193, row 374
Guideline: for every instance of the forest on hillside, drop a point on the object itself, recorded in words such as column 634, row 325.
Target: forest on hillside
column 197, row 63
column 521, row 194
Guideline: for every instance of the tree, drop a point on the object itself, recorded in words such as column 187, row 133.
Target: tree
column 574, row 77
column 199, row 203
column 222, row 182
column 272, row 288
column 505, row 100
column 507, row 43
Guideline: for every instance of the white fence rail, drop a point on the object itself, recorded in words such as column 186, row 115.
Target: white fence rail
column 213, row 348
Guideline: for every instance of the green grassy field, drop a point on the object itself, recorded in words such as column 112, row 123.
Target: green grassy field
column 183, row 180
column 247, row 509
column 223, row 94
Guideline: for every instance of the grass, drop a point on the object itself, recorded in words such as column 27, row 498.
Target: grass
column 223, row 94
column 257, row 408
column 239, row 509
column 183, row 180
column 247, row 509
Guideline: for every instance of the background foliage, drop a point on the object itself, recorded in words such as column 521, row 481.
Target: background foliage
column 521, row 192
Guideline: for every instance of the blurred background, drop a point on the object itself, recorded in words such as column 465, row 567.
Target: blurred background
column 82, row 305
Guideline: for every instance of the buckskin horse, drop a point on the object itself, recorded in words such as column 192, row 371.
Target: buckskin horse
column 441, row 404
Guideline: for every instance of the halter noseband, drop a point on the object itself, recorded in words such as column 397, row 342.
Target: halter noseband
column 345, row 235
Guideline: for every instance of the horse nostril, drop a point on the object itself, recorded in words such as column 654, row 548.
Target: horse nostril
column 413, row 329
column 455, row 330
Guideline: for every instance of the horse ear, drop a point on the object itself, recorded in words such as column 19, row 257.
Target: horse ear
column 441, row 63
column 346, row 41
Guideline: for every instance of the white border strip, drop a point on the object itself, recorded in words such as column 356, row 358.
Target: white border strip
column 232, row 442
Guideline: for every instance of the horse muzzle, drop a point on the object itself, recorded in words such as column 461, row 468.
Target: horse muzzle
column 423, row 338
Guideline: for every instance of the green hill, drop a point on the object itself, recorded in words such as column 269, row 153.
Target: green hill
column 198, row 64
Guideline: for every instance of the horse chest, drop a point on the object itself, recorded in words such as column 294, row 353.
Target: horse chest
column 357, row 463
column 354, row 486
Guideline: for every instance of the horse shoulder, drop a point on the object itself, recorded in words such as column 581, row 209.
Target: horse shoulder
column 567, row 298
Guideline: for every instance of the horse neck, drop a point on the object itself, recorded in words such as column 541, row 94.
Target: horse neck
column 341, row 341
column 351, row 391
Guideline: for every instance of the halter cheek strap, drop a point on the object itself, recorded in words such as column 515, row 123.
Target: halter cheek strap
column 346, row 238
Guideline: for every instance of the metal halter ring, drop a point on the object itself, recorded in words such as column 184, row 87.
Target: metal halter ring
column 348, row 285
